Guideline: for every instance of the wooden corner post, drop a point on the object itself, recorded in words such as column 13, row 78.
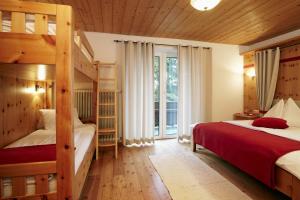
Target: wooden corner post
column 64, row 103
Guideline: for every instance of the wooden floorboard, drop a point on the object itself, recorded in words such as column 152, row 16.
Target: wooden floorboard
column 133, row 177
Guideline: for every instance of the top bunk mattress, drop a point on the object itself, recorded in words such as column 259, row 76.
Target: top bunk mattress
column 83, row 136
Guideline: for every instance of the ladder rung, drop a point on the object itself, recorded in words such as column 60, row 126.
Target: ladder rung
column 107, row 144
column 106, row 104
column 107, row 90
column 107, row 65
column 107, row 130
column 107, row 79
column 106, row 133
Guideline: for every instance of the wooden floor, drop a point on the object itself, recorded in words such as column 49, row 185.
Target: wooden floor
column 132, row 176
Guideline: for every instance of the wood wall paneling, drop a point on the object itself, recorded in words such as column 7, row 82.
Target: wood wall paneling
column 288, row 82
column 250, row 97
column 2, row 132
column 9, row 115
column 19, row 110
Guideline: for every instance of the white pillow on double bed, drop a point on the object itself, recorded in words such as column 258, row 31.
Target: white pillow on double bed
column 291, row 113
column 49, row 119
column 276, row 110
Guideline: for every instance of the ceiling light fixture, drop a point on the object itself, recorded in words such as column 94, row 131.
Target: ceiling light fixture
column 204, row 5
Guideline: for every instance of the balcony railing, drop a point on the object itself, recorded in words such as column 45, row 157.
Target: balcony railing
column 171, row 113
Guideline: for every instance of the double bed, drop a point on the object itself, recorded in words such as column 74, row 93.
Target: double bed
column 270, row 155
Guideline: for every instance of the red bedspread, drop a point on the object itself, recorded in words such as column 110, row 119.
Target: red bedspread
column 254, row 152
column 28, row 154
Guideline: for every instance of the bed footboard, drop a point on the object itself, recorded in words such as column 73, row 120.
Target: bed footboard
column 27, row 180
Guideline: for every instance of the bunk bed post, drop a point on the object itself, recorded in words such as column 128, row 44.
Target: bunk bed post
column 94, row 101
column 64, row 103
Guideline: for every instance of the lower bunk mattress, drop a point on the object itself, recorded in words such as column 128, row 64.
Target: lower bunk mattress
column 83, row 136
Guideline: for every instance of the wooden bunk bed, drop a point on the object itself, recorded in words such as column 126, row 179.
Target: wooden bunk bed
column 63, row 52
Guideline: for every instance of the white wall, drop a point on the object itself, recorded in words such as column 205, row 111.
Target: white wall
column 227, row 80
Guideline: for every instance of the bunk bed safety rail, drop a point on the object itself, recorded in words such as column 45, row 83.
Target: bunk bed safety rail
column 28, row 180
column 84, row 46
column 27, row 17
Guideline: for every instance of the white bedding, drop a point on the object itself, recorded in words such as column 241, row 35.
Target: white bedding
column 290, row 161
column 83, row 136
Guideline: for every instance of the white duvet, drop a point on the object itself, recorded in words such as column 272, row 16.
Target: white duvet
column 83, row 136
column 291, row 161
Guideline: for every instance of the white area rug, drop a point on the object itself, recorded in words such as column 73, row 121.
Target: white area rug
column 189, row 178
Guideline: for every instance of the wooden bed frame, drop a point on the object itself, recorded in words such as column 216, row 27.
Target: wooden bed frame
column 67, row 50
column 286, row 183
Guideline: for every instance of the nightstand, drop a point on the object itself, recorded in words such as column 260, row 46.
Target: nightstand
column 246, row 116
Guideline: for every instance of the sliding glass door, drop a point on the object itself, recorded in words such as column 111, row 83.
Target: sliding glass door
column 165, row 94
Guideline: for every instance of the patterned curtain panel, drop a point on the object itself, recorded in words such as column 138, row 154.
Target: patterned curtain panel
column 266, row 69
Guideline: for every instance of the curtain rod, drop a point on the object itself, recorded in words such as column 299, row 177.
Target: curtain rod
column 161, row 44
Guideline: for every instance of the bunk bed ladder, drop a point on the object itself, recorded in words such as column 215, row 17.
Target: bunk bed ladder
column 107, row 112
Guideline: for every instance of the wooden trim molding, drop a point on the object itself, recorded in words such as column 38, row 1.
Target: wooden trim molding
column 27, row 169
column 284, row 60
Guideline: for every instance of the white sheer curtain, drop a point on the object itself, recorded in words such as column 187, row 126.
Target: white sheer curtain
column 266, row 69
column 194, row 104
column 136, row 61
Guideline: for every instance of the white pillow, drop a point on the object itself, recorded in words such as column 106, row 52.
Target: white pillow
column 49, row 118
column 276, row 110
column 291, row 113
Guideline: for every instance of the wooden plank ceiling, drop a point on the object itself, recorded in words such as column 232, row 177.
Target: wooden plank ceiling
column 232, row 21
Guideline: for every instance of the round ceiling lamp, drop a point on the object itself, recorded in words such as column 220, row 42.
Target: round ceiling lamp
column 204, row 5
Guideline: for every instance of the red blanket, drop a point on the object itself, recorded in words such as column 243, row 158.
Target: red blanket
column 28, row 154
column 254, row 152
